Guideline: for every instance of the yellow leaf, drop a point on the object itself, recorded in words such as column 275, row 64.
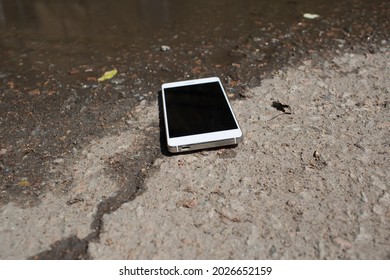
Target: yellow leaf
column 108, row 75
column 24, row 183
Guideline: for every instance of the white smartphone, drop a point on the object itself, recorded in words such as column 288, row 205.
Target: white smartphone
column 198, row 115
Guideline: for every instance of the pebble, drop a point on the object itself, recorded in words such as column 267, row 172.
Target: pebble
column 117, row 81
column 3, row 152
column 343, row 242
column 165, row 48
column 58, row 160
column 310, row 16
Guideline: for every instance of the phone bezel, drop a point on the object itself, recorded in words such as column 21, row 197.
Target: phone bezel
column 203, row 140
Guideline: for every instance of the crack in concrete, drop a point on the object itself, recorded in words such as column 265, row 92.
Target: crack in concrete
column 108, row 173
column 71, row 248
column 76, row 248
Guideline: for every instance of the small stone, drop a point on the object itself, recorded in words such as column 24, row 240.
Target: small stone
column 34, row 92
column 310, row 16
column 117, row 81
column 165, row 48
column 343, row 242
column 109, row 242
column 189, row 203
column 372, row 48
column 165, row 68
column 58, row 160
column 3, row 152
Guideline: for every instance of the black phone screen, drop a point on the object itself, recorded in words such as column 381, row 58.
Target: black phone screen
column 196, row 109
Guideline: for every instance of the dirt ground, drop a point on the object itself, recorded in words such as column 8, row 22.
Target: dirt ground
column 311, row 182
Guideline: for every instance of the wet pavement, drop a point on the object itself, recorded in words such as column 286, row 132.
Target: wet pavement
column 53, row 52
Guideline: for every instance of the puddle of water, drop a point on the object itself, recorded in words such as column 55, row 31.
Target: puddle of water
column 137, row 25
column 140, row 22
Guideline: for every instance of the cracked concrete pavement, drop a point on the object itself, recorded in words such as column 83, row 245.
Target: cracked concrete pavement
column 313, row 184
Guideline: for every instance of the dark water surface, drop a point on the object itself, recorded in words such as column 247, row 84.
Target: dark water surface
column 205, row 38
column 137, row 21
column 102, row 26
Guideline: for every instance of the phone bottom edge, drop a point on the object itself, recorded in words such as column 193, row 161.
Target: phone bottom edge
column 204, row 145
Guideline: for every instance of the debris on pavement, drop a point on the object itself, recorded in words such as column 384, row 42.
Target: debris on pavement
column 3, row 151
column 165, row 48
column 108, row 75
column 24, row 183
column 281, row 107
column 310, row 16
